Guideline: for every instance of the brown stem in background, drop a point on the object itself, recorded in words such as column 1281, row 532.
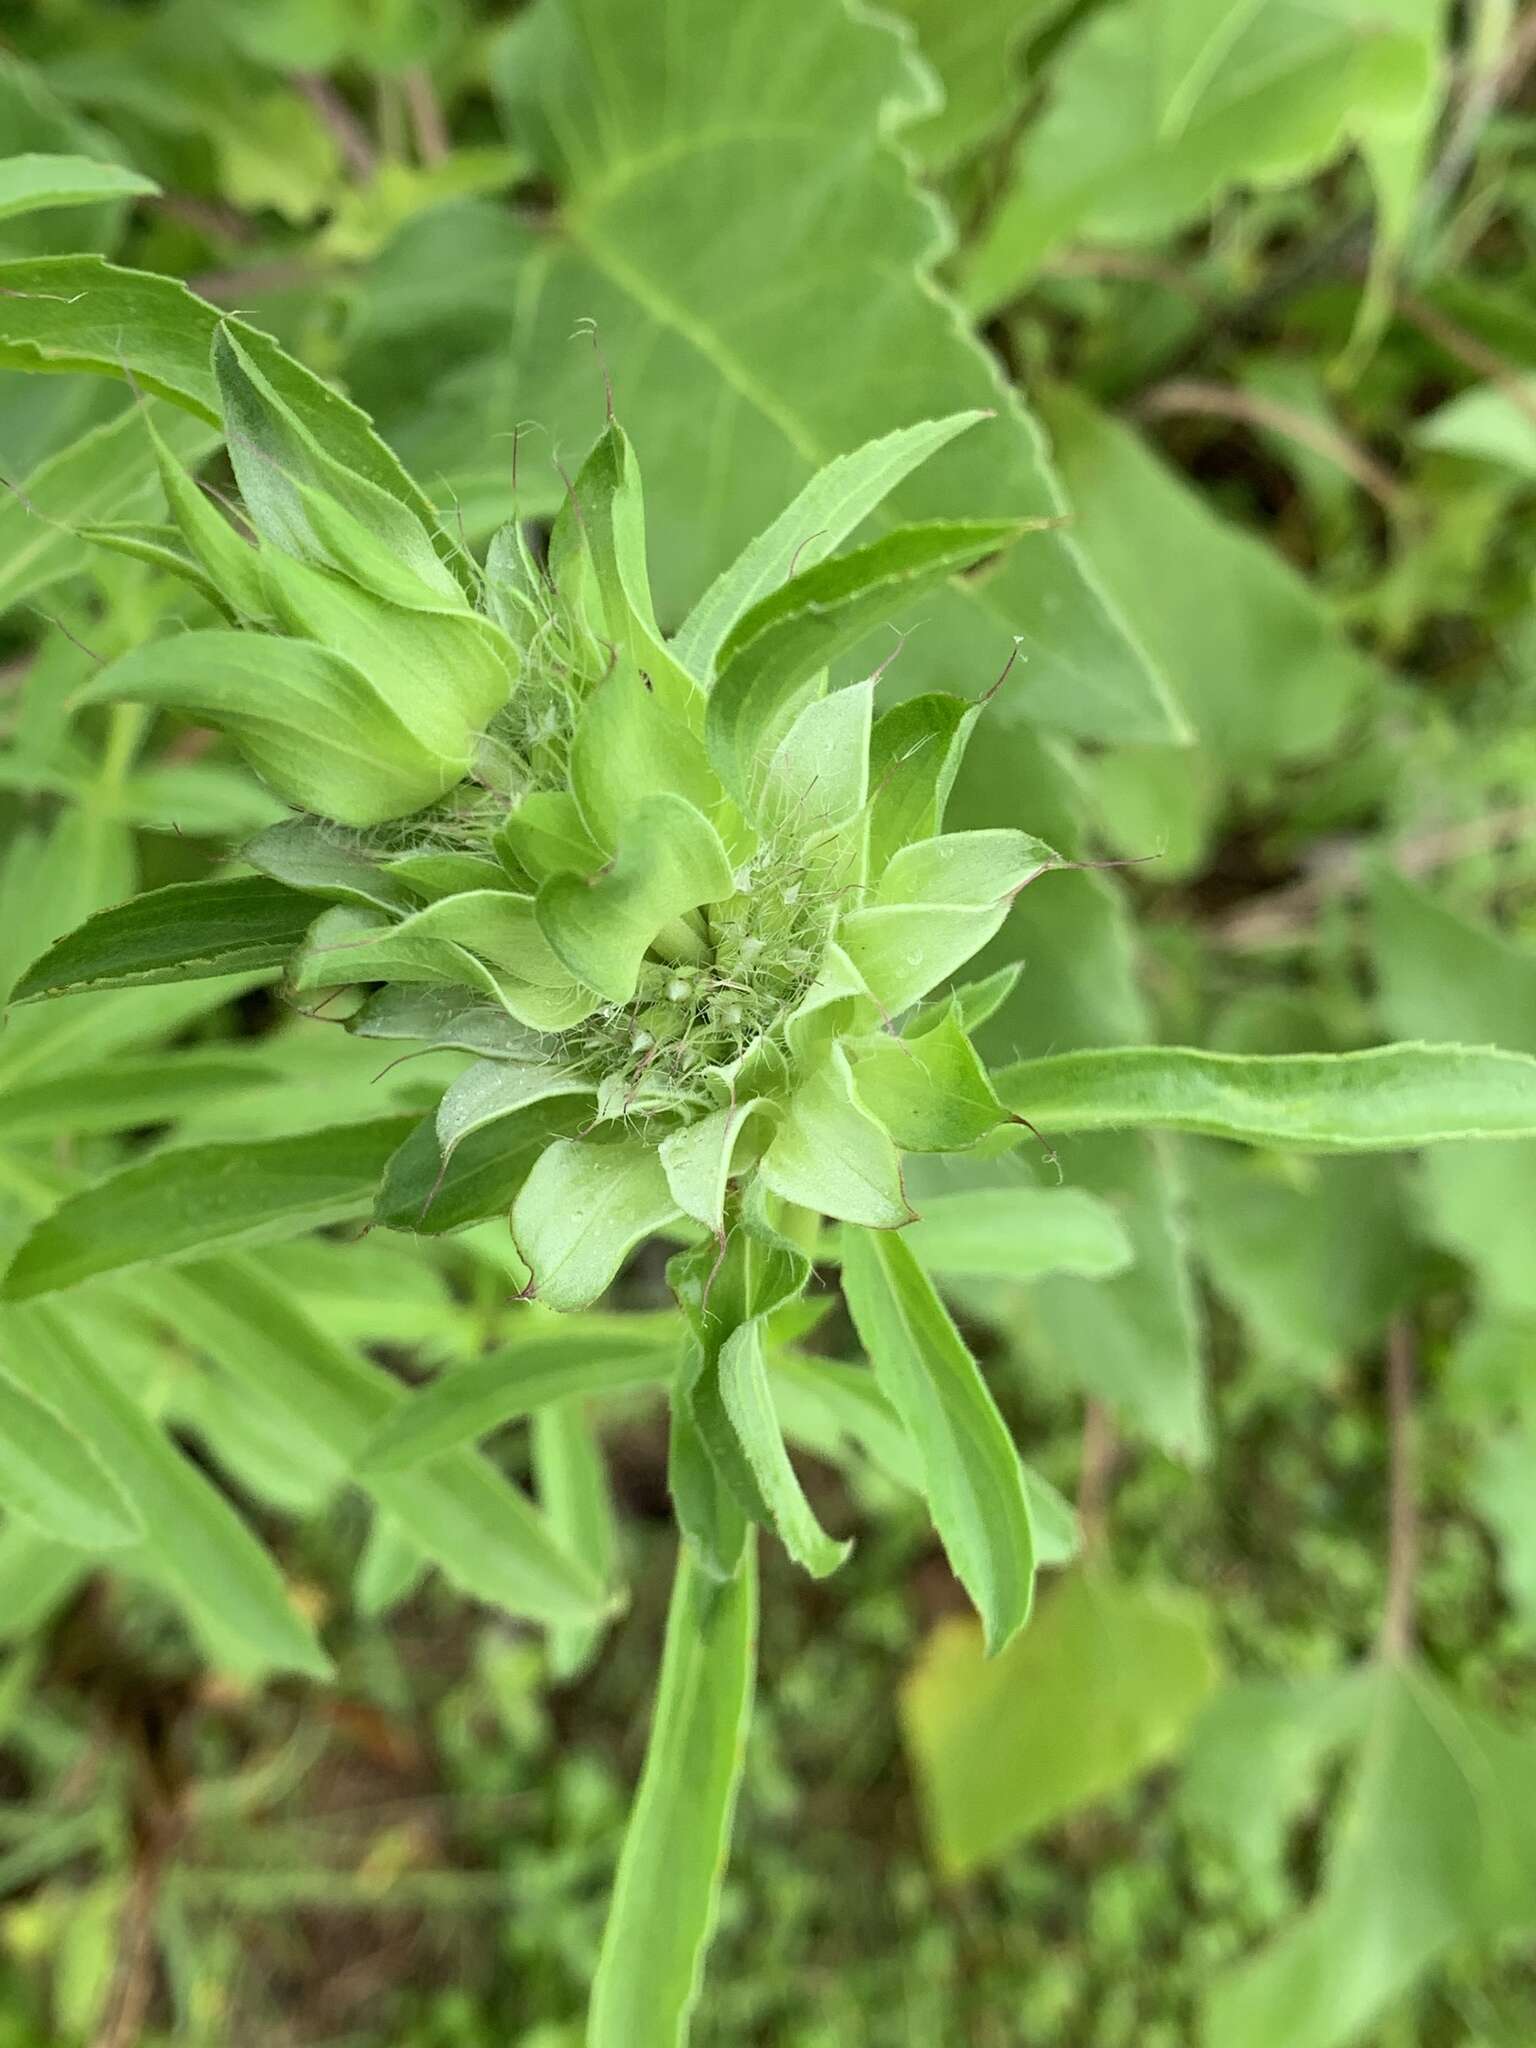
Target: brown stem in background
column 352, row 138
column 1396, row 1637
column 133, row 1977
column 1340, row 871
column 1480, row 101
column 1225, row 401
column 426, row 111
column 1101, row 1454
column 1468, row 350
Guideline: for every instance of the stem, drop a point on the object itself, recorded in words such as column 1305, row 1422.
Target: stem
column 1396, row 1635
column 1101, row 1453
column 351, row 137
column 426, row 111
column 1221, row 401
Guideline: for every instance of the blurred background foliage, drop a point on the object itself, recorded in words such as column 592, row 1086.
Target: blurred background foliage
column 1250, row 289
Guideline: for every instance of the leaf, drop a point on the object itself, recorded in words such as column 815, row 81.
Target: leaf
column 595, row 1356
column 29, row 183
column 184, row 932
column 492, row 1090
column 310, row 723
column 667, row 1890
column 928, row 1088
column 302, row 854
column 748, row 1402
column 459, row 1510
column 199, row 1198
column 654, row 132
column 1486, row 424
column 54, row 1479
column 699, row 1160
column 1433, row 1849
column 1114, row 161
column 82, row 313
column 193, row 1538
column 125, row 1094
column 1102, row 1685
column 669, row 861
column 829, row 1155
column 582, row 1211
column 915, row 753
column 572, row 1480
column 1253, row 654
column 818, row 519
column 423, row 1193
column 1018, row 1233
column 99, row 475
column 1387, row 1099
column 971, row 1471
column 781, row 643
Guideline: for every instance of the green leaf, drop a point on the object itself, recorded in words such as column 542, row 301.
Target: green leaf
column 301, row 854
column 971, row 1471
column 29, row 183
column 1112, row 160
column 572, row 1480
column 929, row 1089
column 193, row 1538
column 818, row 776
column 1018, row 1233
column 153, row 1089
column 581, row 1212
column 82, row 313
column 669, row 861
column 1103, row 1684
column 1385, row 1100
column 829, row 1154
column 914, row 756
column 777, row 647
column 753, row 112
column 748, row 1402
column 425, row 1194
column 310, row 723
column 699, row 1160
column 597, row 1355
column 188, row 931
column 491, row 1091
column 100, row 475
column 458, row 1510
column 667, row 1890
column 819, row 518
column 199, row 1198
column 54, row 1479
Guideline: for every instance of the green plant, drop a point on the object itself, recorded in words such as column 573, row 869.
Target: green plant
column 688, row 906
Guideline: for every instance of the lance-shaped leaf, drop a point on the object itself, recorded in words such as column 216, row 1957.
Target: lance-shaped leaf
column 31, row 182
column 193, row 1539
column 178, row 1203
column 748, row 1401
column 595, row 1356
column 83, row 313
column 794, row 632
column 572, row 1480
column 938, row 902
column 929, row 1088
column 227, row 560
column 54, row 1479
column 309, row 722
column 1019, row 1234
column 669, row 861
column 125, row 1094
column 460, row 1511
column 829, row 1154
column 819, row 518
column 582, row 1211
column 971, row 1471
column 189, row 931
column 667, row 1890
column 444, row 1017
column 1384, row 1100
column 427, row 1194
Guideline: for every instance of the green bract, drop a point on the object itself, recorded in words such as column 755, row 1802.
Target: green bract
column 683, row 914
